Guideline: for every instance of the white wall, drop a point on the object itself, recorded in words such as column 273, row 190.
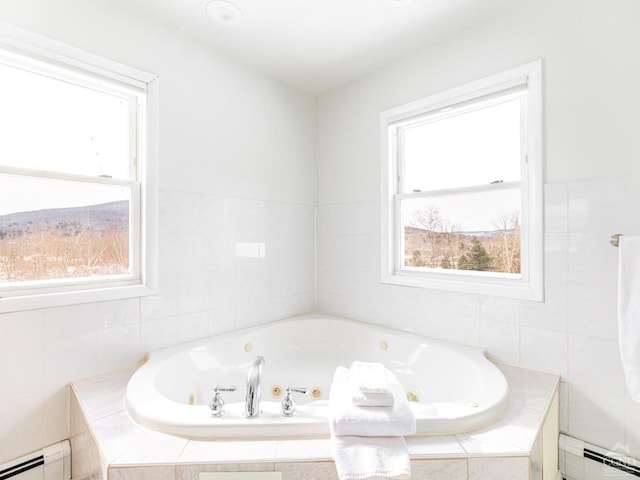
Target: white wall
column 236, row 166
column 591, row 126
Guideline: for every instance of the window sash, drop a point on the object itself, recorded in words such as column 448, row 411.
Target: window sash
column 131, row 90
column 399, row 238
column 397, row 129
column 45, row 286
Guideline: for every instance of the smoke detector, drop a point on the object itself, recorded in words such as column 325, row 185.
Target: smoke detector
column 225, row 12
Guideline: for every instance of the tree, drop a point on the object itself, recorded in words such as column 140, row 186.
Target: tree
column 438, row 248
column 416, row 259
column 476, row 258
column 429, row 219
column 509, row 251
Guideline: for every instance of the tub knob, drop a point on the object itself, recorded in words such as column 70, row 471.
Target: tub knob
column 288, row 404
column 217, row 403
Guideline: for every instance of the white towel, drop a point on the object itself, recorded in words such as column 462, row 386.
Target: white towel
column 370, row 385
column 358, row 458
column 362, row 399
column 629, row 312
column 367, row 442
column 369, row 377
column 349, row 419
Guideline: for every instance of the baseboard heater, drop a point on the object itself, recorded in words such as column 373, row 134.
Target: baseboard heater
column 50, row 463
column 579, row 459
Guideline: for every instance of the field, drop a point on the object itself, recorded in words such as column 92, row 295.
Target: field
column 65, row 243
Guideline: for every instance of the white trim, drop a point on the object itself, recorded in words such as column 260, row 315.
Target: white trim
column 474, row 103
column 148, row 175
column 52, row 51
column 84, row 68
column 458, row 95
column 529, row 284
column 59, row 299
column 104, row 82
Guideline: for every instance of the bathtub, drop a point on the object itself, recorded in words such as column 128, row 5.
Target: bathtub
column 451, row 388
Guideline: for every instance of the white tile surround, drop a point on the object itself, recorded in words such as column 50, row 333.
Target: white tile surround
column 561, row 335
column 109, row 446
column 204, row 289
column 574, row 332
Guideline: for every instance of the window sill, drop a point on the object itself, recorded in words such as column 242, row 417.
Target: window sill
column 60, row 299
column 496, row 287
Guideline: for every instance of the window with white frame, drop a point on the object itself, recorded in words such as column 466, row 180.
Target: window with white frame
column 77, row 181
column 462, row 188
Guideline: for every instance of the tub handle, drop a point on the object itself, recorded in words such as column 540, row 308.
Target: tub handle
column 217, row 403
column 288, row 404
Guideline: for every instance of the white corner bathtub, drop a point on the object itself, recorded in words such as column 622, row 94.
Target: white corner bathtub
column 453, row 388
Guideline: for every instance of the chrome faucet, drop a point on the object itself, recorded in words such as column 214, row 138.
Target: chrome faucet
column 252, row 402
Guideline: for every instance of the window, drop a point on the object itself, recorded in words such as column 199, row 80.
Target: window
column 462, row 188
column 77, row 182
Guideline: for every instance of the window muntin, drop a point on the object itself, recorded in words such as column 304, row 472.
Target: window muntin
column 422, row 185
column 71, row 176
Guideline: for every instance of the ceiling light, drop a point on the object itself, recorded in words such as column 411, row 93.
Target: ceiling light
column 223, row 11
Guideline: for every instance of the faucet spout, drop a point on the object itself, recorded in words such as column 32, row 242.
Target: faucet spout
column 252, row 402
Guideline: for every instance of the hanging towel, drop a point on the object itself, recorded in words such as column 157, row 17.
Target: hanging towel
column 370, row 385
column 350, row 419
column 629, row 312
column 359, row 458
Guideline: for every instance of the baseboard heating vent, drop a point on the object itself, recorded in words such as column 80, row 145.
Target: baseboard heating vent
column 50, row 463
column 580, row 460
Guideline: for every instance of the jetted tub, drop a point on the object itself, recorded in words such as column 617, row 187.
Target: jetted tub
column 452, row 388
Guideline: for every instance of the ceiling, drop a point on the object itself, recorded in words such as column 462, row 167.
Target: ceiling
column 316, row 45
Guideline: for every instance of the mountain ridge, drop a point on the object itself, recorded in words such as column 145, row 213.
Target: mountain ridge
column 94, row 218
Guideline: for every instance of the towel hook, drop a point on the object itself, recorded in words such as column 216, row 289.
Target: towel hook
column 615, row 239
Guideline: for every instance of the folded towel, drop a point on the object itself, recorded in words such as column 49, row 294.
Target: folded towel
column 349, row 419
column 629, row 312
column 361, row 399
column 370, row 385
column 359, row 458
column 369, row 377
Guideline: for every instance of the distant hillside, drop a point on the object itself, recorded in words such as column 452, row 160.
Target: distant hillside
column 480, row 233
column 423, row 248
column 91, row 218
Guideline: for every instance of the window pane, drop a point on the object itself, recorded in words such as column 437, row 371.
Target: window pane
column 477, row 231
column 474, row 148
column 52, row 229
column 48, row 124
